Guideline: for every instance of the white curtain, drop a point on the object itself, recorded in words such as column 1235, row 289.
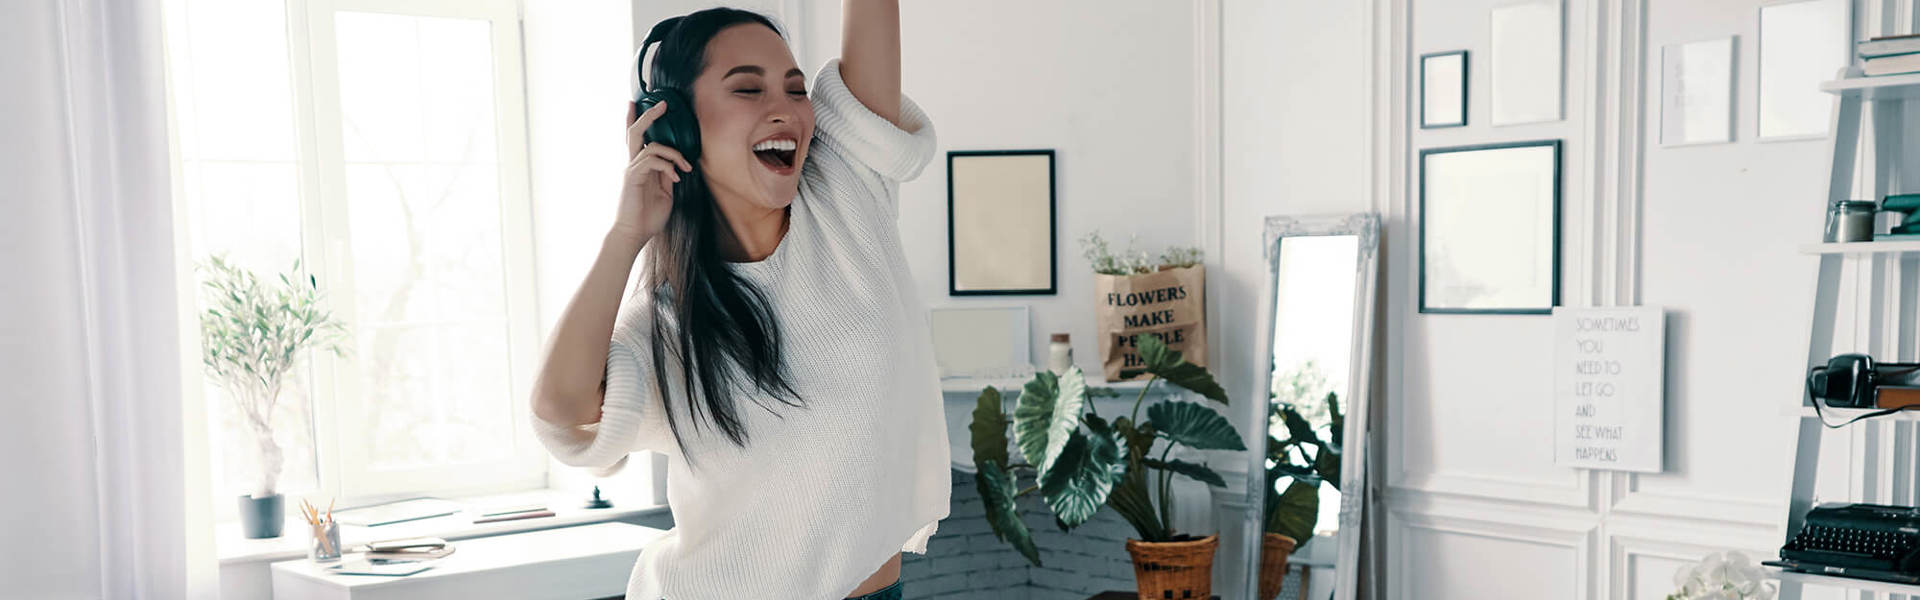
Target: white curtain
column 98, row 447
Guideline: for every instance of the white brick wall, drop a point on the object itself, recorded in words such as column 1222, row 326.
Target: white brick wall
column 964, row 560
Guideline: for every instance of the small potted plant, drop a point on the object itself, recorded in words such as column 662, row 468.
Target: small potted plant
column 251, row 336
column 1722, row 576
column 1080, row 461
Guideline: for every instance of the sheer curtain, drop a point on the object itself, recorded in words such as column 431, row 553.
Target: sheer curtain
column 101, row 456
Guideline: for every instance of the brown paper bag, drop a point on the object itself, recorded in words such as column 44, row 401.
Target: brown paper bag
column 1170, row 304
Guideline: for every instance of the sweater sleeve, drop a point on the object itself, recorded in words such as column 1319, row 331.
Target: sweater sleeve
column 630, row 411
column 852, row 140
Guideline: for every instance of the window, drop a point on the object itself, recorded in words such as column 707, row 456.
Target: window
column 383, row 143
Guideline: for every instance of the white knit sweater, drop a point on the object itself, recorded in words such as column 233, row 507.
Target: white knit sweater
column 824, row 494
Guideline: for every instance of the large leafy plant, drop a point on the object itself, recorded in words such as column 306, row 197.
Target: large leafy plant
column 1080, row 461
column 251, row 334
column 1306, row 461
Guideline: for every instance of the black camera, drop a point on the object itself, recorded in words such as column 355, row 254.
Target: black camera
column 1853, row 380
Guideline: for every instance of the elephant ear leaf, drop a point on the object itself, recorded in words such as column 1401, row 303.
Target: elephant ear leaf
column 997, row 495
column 1168, row 364
column 1198, row 472
column 1195, row 425
column 1049, row 410
column 1079, row 483
column 1294, row 513
column 989, row 429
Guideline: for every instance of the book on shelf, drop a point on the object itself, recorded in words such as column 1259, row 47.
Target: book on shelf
column 1891, row 65
column 1888, row 45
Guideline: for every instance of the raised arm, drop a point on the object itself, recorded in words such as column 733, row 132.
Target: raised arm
column 870, row 54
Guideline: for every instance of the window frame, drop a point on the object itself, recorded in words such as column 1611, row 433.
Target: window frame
column 332, row 382
column 345, row 468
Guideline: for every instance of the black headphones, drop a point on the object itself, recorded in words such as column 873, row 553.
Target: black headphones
column 677, row 128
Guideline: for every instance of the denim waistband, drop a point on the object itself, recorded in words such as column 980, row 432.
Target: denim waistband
column 891, row 592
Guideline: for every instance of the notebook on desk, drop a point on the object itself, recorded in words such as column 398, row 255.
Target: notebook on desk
column 360, row 565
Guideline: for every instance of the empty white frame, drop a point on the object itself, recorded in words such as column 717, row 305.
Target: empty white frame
column 1000, row 222
column 1490, row 228
column 1443, row 89
column 974, row 340
column 1802, row 44
column 1526, row 73
column 1696, row 92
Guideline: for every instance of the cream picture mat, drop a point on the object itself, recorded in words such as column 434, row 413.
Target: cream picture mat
column 1002, row 222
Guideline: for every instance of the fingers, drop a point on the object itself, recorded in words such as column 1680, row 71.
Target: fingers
column 637, row 129
column 655, row 163
column 667, row 152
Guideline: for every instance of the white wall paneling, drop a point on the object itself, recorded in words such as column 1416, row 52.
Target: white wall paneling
column 1644, row 225
column 1443, row 557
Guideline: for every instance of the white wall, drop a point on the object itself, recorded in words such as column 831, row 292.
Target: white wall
column 1477, row 508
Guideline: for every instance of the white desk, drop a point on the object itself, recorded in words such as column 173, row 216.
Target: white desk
column 569, row 563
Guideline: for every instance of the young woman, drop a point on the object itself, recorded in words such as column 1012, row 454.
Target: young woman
column 771, row 272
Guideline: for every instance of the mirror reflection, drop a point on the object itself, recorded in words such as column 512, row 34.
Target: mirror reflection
column 1315, row 293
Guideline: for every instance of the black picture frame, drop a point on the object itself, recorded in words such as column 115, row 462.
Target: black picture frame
column 1466, row 66
column 1053, row 225
column 1558, row 193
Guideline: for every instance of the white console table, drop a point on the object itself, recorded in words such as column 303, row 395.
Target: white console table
column 570, row 563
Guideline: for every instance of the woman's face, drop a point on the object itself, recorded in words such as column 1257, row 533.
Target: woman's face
column 752, row 96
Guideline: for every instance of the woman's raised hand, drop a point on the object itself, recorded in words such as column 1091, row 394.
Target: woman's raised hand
column 646, row 195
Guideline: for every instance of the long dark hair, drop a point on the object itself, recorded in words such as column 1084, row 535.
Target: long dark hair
column 724, row 325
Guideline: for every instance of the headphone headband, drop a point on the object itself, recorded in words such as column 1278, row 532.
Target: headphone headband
column 658, row 34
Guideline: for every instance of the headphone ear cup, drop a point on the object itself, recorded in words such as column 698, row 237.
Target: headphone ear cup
column 677, row 128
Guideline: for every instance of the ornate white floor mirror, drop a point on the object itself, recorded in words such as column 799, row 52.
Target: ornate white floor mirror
column 1307, row 472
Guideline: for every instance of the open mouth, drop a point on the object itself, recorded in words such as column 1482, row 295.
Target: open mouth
column 776, row 154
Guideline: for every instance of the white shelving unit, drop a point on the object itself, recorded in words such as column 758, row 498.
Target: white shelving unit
column 1882, row 327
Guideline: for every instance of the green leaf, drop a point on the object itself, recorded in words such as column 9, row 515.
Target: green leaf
column 1199, row 472
column 1049, row 410
column 1030, row 423
column 1089, row 465
column 1195, row 425
column 1298, row 429
column 1073, row 487
column 989, row 429
column 996, row 494
column 1295, row 513
column 1168, row 364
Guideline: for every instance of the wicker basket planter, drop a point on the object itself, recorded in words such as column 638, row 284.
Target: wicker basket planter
column 1274, row 551
column 1176, row 569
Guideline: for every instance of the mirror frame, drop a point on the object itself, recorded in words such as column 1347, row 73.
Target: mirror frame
column 1353, row 457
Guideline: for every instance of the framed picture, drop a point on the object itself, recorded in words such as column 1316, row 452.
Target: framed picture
column 1490, row 228
column 1000, row 222
column 1696, row 92
column 1443, row 89
column 1525, row 61
column 980, row 340
column 1802, row 44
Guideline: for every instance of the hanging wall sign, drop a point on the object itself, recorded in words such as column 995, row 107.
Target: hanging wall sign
column 1609, row 384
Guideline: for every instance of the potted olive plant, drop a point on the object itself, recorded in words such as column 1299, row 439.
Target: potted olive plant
column 251, row 336
column 1080, row 461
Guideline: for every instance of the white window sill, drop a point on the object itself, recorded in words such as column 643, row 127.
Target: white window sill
column 292, row 543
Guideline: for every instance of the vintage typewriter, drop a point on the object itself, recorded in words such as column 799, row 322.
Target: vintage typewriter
column 1869, row 541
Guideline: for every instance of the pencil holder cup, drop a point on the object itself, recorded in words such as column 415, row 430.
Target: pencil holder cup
column 324, row 545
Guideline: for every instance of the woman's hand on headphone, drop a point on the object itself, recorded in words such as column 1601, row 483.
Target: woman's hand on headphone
column 646, row 195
